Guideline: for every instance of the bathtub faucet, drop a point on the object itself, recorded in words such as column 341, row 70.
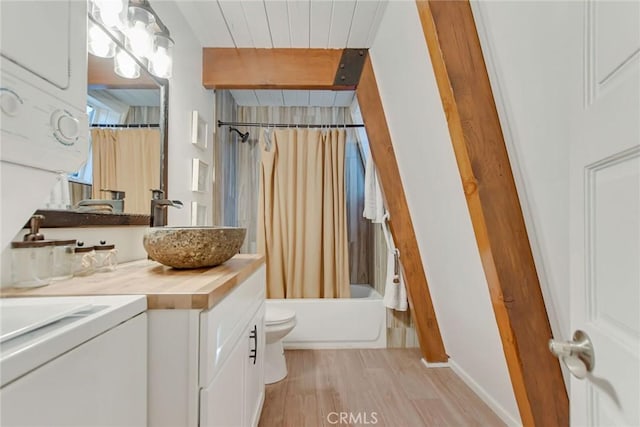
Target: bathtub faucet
column 157, row 208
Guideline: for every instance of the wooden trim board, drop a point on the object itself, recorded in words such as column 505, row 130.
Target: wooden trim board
column 495, row 211
column 317, row 69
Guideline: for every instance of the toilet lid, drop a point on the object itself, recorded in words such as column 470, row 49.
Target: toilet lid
column 275, row 316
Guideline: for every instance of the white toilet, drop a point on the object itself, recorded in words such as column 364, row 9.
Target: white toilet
column 278, row 323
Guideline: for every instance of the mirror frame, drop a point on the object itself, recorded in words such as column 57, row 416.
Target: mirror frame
column 68, row 218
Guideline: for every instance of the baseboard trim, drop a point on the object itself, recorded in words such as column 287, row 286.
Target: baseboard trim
column 482, row 394
column 434, row 364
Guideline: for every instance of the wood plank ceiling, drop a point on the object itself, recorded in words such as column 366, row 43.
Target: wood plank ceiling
column 327, row 24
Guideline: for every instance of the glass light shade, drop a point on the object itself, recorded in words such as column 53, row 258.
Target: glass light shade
column 112, row 13
column 139, row 39
column 99, row 43
column 161, row 61
column 125, row 66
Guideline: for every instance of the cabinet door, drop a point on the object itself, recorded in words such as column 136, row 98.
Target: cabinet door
column 222, row 402
column 254, row 369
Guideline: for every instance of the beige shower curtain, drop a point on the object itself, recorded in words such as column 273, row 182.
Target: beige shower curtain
column 302, row 223
column 126, row 160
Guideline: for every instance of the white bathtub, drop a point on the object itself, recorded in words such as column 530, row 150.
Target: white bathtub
column 356, row 322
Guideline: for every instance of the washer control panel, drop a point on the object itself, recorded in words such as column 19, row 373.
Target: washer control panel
column 39, row 130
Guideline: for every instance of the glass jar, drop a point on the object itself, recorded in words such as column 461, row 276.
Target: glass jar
column 84, row 262
column 63, row 258
column 32, row 263
column 106, row 257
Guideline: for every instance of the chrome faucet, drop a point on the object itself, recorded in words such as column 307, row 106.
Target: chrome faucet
column 157, row 208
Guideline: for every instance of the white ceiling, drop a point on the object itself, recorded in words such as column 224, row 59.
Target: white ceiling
column 293, row 98
column 284, row 23
column 328, row 24
column 131, row 97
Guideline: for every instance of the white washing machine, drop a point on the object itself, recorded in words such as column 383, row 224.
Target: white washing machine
column 43, row 95
column 73, row 361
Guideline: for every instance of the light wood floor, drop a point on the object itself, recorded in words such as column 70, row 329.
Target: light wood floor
column 392, row 383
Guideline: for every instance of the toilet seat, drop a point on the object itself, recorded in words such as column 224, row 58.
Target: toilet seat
column 277, row 316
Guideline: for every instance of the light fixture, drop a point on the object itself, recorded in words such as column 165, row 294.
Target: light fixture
column 137, row 30
column 124, row 65
column 99, row 43
column 161, row 61
column 112, row 13
column 139, row 36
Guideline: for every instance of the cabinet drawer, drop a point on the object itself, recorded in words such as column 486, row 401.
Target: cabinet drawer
column 223, row 325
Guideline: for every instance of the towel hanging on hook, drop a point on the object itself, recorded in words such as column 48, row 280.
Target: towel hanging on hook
column 390, row 244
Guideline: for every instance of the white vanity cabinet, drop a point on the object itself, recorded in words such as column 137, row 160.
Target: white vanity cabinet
column 206, row 367
column 235, row 395
column 231, row 357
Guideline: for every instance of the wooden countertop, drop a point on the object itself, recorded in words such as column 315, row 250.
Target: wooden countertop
column 165, row 287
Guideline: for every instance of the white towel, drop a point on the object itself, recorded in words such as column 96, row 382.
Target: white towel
column 373, row 201
column 395, row 294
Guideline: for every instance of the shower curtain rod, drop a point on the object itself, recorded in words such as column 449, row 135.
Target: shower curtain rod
column 134, row 125
column 287, row 125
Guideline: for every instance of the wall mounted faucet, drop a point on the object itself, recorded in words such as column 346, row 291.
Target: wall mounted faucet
column 158, row 203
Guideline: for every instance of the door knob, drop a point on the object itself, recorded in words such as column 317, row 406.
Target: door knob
column 577, row 354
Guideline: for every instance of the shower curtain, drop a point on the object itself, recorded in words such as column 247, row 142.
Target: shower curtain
column 126, row 160
column 302, row 221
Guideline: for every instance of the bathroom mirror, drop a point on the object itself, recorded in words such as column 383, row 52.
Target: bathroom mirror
column 128, row 133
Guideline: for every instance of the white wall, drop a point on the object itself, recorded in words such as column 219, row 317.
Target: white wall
column 438, row 209
column 526, row 47
column 186, row 94
column 128, row 241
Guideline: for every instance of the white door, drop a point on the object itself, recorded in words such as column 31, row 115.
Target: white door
column 605, row 217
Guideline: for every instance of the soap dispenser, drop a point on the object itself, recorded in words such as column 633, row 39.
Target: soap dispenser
column 35, row 261
column 32, row 259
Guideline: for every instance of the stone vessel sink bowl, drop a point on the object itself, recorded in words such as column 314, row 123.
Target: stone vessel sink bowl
column 193, row 247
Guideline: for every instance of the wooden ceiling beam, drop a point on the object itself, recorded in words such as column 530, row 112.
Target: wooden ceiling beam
column 494, row 207
column 309, row 69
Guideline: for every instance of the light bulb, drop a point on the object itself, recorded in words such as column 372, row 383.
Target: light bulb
column 99, row 43
column 161, row 64
column 111, row 12
column 125, row 66
column 139, row 40
column 109, row 6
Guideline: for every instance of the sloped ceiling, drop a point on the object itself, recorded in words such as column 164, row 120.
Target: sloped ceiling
column 329, row 24
column 132, row 97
